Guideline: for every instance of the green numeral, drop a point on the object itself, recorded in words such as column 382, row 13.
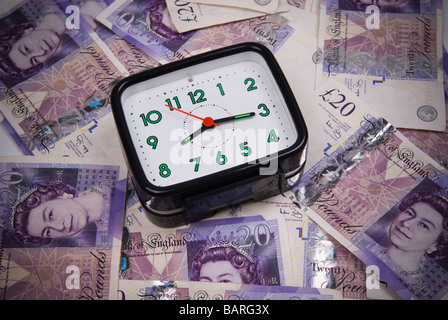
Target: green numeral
column 147, row 118
column 164, row 171
column 196, row 166
column 265, row 108
column 272, row 136
column 220, row 158
column 220, row 89
column 246, row 149
column 176, row 99
column 252, row 85
column 152, row 141
column 200, row 93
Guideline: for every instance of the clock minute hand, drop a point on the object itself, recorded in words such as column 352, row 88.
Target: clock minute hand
column 235, row 117
column 217, row 121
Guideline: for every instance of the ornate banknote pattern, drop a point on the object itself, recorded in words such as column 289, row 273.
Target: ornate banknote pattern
column 330, row 265
column 67, row 91
column 61, row 228
column 147, row 25
column 363, row 184
column 253, row 246
column 391, row 52
column 306, row 5
column 318, row 260
column 193, row 16
column 181, row 290
column 131, row 57
column 434, row 144
column 361, row 195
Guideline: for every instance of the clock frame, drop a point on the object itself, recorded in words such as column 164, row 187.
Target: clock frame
column 189, row 201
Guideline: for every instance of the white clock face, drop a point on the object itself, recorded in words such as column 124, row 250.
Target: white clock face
column 207, row 118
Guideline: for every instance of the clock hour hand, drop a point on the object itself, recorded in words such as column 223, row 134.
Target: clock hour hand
column 217, row 121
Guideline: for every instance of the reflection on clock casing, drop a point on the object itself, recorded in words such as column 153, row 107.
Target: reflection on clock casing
column 200, row 120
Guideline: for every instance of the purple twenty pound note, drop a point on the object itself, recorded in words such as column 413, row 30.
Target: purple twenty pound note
column 61, row 228
column 247, row 250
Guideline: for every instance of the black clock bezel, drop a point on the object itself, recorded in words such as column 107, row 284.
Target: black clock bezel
column 228, row 176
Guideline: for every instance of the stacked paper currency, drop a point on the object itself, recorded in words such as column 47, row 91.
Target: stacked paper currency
column 366, row 221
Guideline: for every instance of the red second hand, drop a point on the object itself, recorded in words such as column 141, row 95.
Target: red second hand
column 207, row 121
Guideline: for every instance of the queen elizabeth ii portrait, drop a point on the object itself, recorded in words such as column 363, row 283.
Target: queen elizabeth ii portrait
column 54, row 212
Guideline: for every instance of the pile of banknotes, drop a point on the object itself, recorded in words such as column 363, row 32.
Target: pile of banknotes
column 367, row 219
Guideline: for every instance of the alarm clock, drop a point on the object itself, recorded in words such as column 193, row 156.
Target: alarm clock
column 209, row 131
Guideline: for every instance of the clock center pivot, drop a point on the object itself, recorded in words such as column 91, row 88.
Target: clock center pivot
column 208, row 122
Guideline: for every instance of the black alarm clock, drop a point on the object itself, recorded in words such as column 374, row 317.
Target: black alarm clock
column 209, row 131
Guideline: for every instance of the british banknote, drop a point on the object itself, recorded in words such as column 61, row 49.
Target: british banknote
column 392, row 51
column 182, row 290
column 434, row 144
column 192, row 15
column 262, row 6
column 328, row 264
column 337, row 123
column 55, row 82
column 132, row 58
column 282, row 293
column 148, row 26
column 9, row 146
column 61, row 227
column 318, row 260
column 250, row 250
column 305, row 5
column 305, row 14
column 380, row 196
column 332, row 128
